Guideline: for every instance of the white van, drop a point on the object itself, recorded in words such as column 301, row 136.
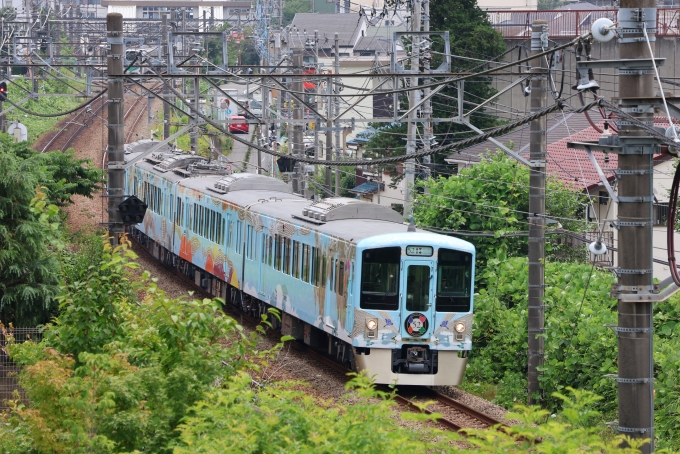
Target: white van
column 255, row 105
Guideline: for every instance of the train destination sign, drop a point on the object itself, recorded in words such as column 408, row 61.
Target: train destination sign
column 422, row 251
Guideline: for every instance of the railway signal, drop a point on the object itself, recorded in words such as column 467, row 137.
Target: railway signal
column 132, row 210
column 3, row 91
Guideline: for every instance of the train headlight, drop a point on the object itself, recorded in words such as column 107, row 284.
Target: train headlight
column 459, row 327
column 372, row 324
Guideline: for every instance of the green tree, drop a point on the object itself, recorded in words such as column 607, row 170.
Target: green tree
column 31, row 186
column 177, row 375
column 292, row 7
column 492, row 196
column 472, row 38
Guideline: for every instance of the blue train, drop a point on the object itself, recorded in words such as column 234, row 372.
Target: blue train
column 348, row 276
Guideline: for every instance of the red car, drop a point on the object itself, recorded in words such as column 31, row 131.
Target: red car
column 238, row 124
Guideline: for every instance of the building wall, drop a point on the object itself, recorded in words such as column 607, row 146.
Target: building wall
column 128, row 12
column 508, row 4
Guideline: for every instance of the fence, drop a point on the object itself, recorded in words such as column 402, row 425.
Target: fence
column 571, row 23
column 8, row 369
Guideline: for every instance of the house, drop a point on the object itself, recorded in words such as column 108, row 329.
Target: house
column 574, row 168
column 231, row 10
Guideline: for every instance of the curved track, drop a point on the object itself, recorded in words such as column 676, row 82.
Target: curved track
column 455, row 415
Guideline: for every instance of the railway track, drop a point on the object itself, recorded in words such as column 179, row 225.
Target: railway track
column 456, row 416
column 82, row 120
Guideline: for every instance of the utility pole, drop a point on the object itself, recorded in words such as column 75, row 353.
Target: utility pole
column 537, row 153
column 413, row 98
column 296, row 147
column 116, row 125
column 337, row 112
column 166, row 91
column 265, row 114
column 428, row 134
column 329, row 130
column 194, row 131
column 635, row 329
column 317, row 97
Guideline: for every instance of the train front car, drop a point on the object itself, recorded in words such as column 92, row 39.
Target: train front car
column 413, row 313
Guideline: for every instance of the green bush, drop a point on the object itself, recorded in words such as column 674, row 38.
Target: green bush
column 580, row 350
column 179, row 376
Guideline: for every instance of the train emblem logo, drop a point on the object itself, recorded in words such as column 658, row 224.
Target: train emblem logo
column 416, row 324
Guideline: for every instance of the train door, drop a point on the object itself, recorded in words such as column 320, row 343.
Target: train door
column 416, row 296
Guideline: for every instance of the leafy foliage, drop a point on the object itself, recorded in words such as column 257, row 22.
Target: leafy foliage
column 30, row 229
column 292, row 7
column 36, row 126
column 579, row 348
column 499, row 187
column 473, row 38
column 179, row 376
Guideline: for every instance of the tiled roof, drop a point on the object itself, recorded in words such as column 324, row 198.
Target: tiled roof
column 559, row 126
column 569, row 165
column 574, row 166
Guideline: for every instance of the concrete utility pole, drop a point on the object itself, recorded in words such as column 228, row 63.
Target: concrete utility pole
column 194, row 131
column 265, row 117
column 166, row 91
column 317, row 97
column 337, row 112
column 413, row 98
column 116, row 125
column 427, row 106
column 329, row 129
column 296, row 147
column 537, row 152
column 636, row 367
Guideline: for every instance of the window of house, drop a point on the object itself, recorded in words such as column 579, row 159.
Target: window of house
column 603, row 198
column 661, row 213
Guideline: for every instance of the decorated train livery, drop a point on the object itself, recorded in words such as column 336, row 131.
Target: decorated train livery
column 349, row 277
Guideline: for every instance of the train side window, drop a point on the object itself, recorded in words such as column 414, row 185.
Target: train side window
column 286, row 255
column 296, row 259
column 380, row 278
column 277, row 252
column 269, row 250
column 249, row 242
column 305, row 263
column 239, row 237
column 315, row 267
column 332, row 264
column 341, row 278
column 454, row 281
column 306, row 272
column 214, row 225
column 231, row 234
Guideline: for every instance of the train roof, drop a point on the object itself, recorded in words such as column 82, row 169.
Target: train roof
column 344, row 218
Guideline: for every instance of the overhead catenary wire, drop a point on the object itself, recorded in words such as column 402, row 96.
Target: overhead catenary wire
column 355, row 162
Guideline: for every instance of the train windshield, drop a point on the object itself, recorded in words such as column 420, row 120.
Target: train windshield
column 255, row 104
column 454, row 284
column 380, row 278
